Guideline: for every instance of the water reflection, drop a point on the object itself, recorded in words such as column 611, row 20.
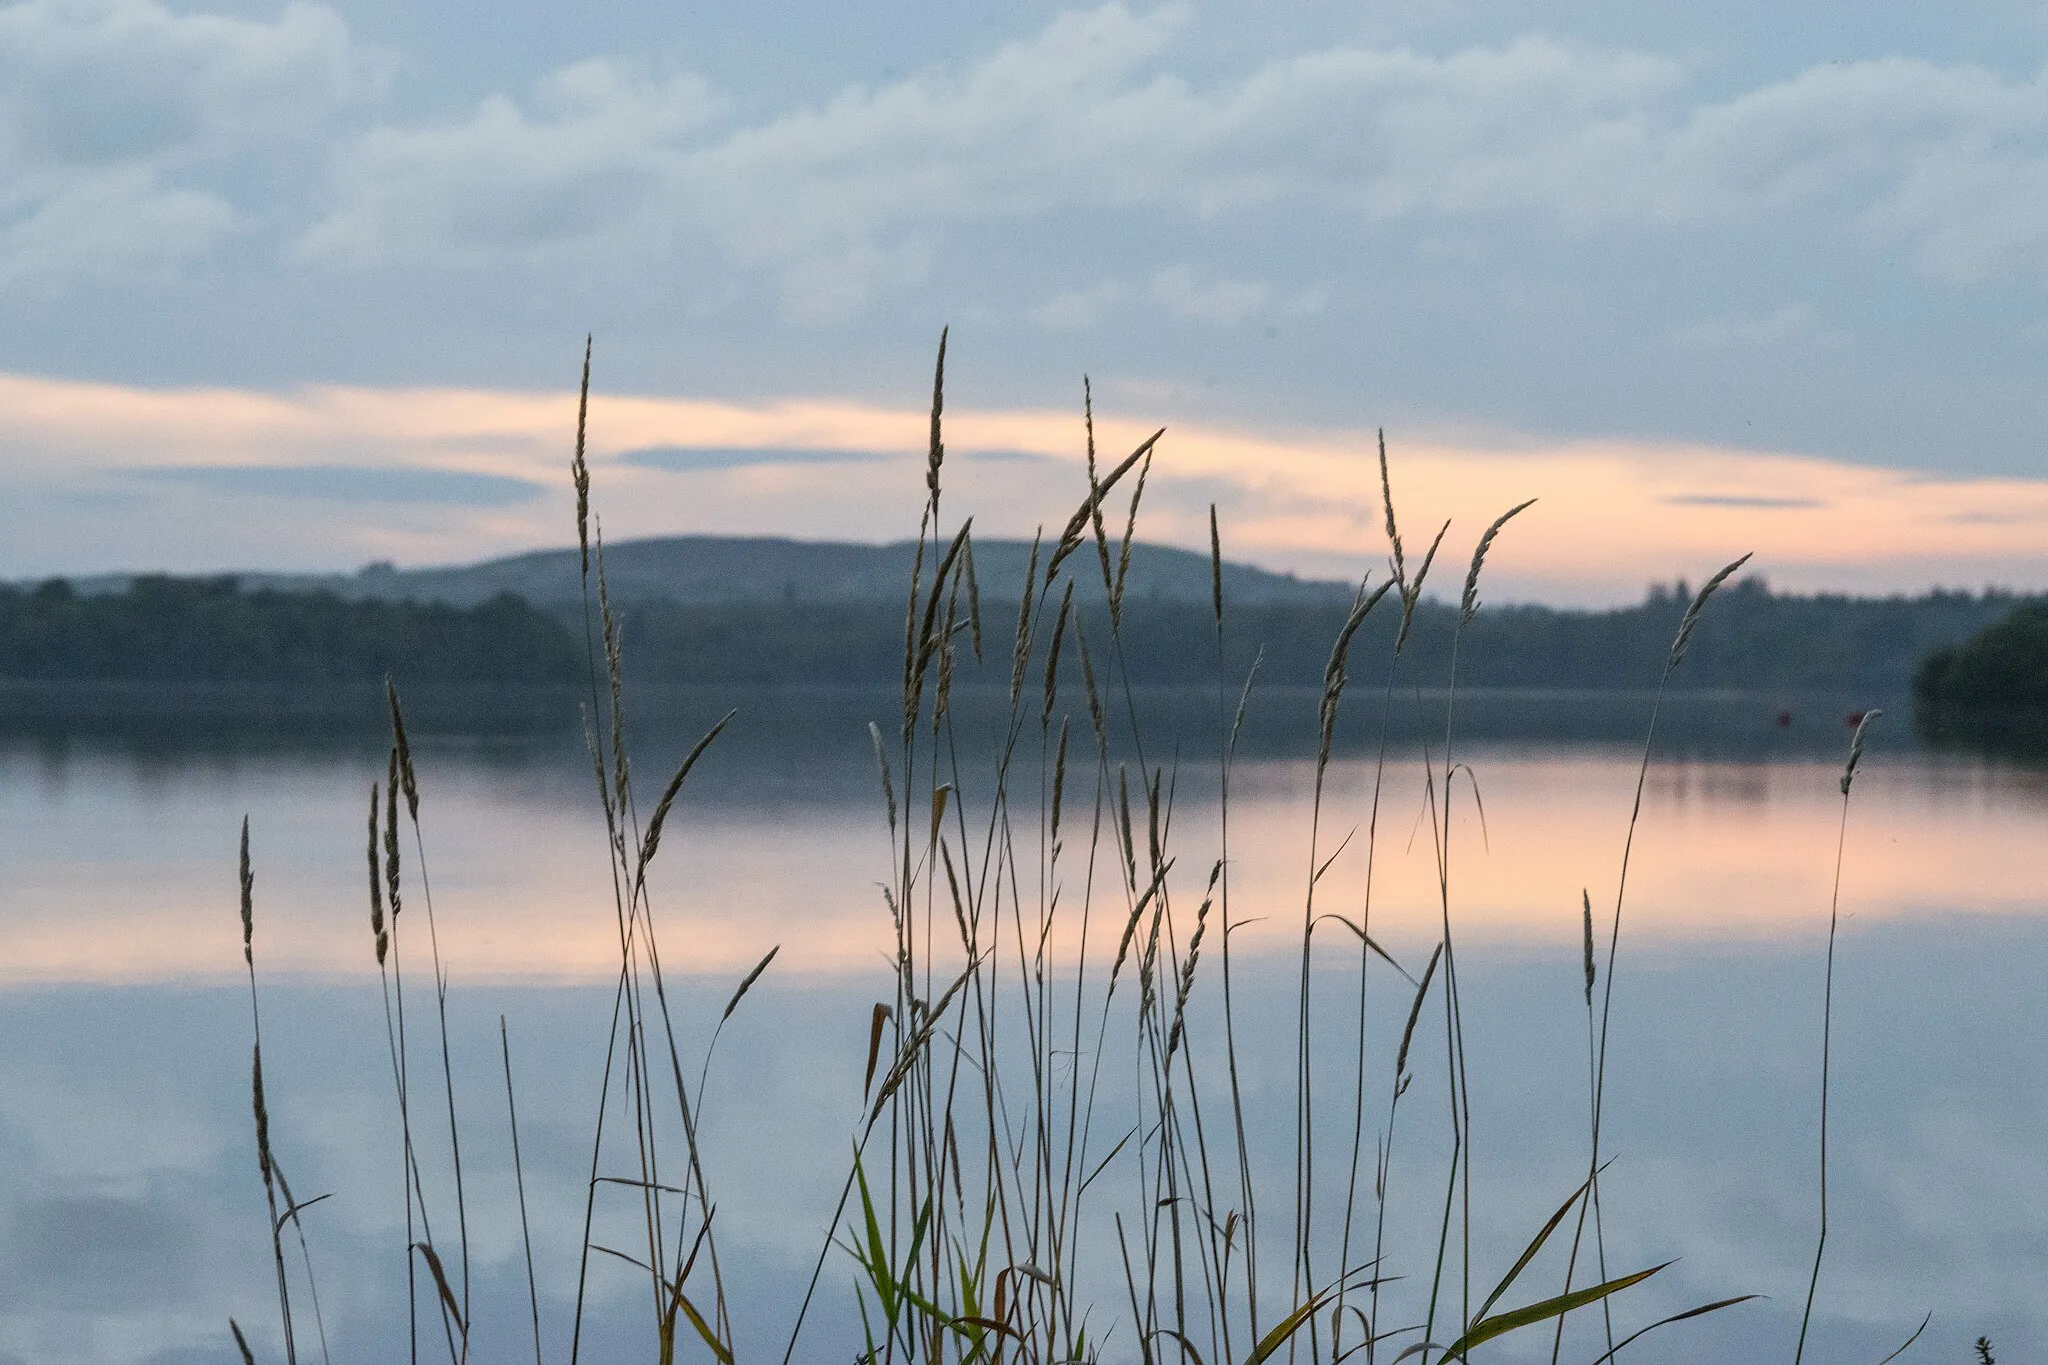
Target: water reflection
column 120, row 856
column 131, row 1216
column 2015, row 734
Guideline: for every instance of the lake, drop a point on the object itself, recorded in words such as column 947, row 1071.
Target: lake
column 132, row 1221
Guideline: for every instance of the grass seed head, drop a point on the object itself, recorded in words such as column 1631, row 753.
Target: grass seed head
column 1059, row 783
column 1699, row 604
column 1090, row 508
column 1021, row 659
column 1187, row 971
column 882, row 762
column 248, row 880
column 911, row 700
column 1123, row 947
column 942, row 695
column 936, row 455
column 1400, row 563
column 1096, row 715
column 1415, row 1012
column 1470, row 602
column 748, row 984
column 579, row 472
column 1338, row 670
column 1097, row 490
column 1123, row 799
column 1863, row 724
column 377, row 930
column 1052, row 655
column 1123, row 561
column 391, row 835
column 400, row 747
column 1586, row 901
column 1411, row 591
column 652, row 839
column 973, row 598
column 929, row 640
column 263, row 1159
column 1215, row 567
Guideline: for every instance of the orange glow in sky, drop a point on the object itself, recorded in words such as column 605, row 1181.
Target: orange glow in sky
column 1610, row 517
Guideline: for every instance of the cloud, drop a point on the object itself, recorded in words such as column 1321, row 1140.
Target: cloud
column 1221, row 303
column 1737, row 500
column 593, row 164
column 120, row 120
column 1793, row 322
column 1077, row 310
column 1985, row 518
column 87, row 1247
column 850, row 196
column 1011, row 457
column 462, row 474
column 106, row 104
column 603, row 154
column 100, row 225
column 695, row 459
column 679, row 459
column 107, row 83
column 348, row 483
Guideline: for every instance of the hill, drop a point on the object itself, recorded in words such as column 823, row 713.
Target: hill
column 764, row 610
column 744, row 570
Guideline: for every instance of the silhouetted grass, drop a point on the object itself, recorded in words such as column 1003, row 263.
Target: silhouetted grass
column 1051, row 1160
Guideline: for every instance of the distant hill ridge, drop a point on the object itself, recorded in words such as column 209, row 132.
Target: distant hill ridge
column 732, row 610
column 743, row 570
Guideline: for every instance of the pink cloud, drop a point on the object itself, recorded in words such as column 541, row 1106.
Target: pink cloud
column 1611, row 516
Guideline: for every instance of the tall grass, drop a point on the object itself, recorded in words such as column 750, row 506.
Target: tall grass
column 1052, row 1159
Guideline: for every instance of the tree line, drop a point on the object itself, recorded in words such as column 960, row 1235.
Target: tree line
column 165, row 629
column 216, row 630
column 1753, row 638
column 2004, row 664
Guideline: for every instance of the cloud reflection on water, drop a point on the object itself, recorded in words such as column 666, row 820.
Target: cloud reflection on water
column 131, row 1221
column 131, row 1212
column 124, row 874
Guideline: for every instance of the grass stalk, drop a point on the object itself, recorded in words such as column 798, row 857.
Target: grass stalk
column 1827, row 1020
column 1031, row 1090
column 519, row 1181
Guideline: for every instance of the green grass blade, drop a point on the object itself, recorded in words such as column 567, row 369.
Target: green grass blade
column 1284, row 1329
column 1702, row 1311
column 1486, row 1329
column 1529, row 1254
column 718, row 1348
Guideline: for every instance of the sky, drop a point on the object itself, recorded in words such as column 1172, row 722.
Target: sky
column 306, row 286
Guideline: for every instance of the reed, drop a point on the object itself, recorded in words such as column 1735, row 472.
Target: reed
column 1827, row 1019
column 1051, row 1160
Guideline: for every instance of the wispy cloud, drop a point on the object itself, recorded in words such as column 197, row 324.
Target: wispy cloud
column 1795, row 322
column 1739, row 500
column 1078, row 309
column 349, row 484
column 113, row 114
column 1096, row 111
column 488, row 474
column 1221, row 303
column 697, row 459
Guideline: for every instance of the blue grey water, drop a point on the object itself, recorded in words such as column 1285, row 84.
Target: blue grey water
column 132, row 1222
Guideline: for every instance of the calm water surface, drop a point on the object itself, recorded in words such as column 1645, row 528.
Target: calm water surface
column 131, row 1213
